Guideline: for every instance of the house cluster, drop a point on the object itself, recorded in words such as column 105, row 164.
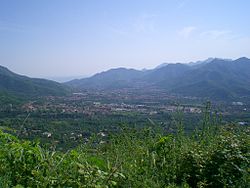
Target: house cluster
column 78, row 104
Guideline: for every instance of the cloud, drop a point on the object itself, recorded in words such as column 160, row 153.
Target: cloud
column 145, row 23
column 186, row 31
column 215, row 34
column 119, row 30
column 181, row 3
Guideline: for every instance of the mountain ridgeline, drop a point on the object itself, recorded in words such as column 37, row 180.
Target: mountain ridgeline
column 218, row 79
column 12, row 84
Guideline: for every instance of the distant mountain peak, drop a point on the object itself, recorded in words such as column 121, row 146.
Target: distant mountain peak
column 208, row 60
column 161, row 65
column 242, row 59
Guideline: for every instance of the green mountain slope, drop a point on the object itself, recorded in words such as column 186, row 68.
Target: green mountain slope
column 14, row 84
column 218, row 79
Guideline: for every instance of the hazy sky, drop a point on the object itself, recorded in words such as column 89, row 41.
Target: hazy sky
column 49, row 38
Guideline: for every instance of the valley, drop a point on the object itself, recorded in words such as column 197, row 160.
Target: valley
column 64, row 122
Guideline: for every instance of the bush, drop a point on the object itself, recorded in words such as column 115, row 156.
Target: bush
column 24, row 163
column 133, row 158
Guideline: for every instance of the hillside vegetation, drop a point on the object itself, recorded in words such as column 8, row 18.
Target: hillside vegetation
column 23, row 86
column 212, row 157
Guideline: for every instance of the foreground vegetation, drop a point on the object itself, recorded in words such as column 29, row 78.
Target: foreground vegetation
column 212, row 157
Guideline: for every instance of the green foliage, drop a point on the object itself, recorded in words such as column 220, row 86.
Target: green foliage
column 27, row 164
column 212, row 157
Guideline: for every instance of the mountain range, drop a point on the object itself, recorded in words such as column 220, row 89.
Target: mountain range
column 218, row 79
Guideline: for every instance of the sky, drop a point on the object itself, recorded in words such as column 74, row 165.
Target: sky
column 67, row 38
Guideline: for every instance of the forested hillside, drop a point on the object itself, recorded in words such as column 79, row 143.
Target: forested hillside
column 23, row 86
